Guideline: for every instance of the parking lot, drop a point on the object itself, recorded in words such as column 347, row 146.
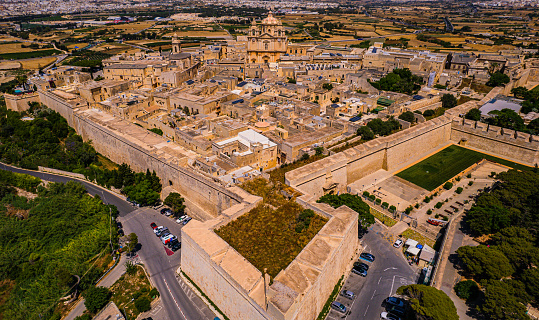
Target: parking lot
column 386, row 274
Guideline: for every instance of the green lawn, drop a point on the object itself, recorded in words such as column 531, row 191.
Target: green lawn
column 442, row 166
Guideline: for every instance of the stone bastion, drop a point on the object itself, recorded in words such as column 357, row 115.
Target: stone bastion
column 241, row 291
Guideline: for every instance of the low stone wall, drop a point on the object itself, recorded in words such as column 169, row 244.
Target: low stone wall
column 61, row 172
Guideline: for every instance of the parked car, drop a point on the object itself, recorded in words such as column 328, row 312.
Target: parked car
column 389, row 316
column 164, row 234
column 158, row 229
column 153, row 225
column 121, row 232
column 172, row 242
column 338, row 306
column 398, row 243
column 187, row 219
column 360, row 271
column 367, row 256
column 164, row 210
column 119, row 224
column 162, row 231
column 361, row 265
column 399, row 311
column 348, row 294
column 394, row 301
column 176, row 246
column 180, row 219
column 166, row 239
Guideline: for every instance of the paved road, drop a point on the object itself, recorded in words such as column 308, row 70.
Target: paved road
column 388, row 272
column 178, row 303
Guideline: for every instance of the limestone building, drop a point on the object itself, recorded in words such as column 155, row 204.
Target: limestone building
column 266, row 42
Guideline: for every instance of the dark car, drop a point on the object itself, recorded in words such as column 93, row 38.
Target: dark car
column 399, row 311
column 119, row 224
column 121, row 232
column 367, row 256
column 164, row 210
column 153, row 225
column 360, row 271
column 361, row 265
column 172, row 242
column 161, row 232
column 394, row 301
column 176, row 246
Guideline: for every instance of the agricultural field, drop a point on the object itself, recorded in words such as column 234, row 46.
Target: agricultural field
column 36, row 63
column 435, row 170
column 29, row 55
column 132, row 27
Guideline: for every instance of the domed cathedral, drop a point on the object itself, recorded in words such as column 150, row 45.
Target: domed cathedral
column 267, row 41
column 183, row 60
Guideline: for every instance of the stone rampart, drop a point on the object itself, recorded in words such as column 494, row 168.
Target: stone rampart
column 20, row 102
column 125, row 142
column 298, row 292
column 520, row 146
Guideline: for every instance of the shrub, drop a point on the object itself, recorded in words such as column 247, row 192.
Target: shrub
column 416, row 205
column 493, row 174
column 459, row 190
column 429, row 212
column 154, row 293
column 96, row 298
column 437, row 216
column 466, row 289
column 385, row 204
column 457, row 178
column 439, row 205
column 392, row 208
column 372, row 197
column 366, row 194
column 143, row 304
column 378, row 200
column 469, row 175
column 448, row 186
column 445, row 218
column 409, row 209
column 470, row 183
column 426, row 200
column 428, row 113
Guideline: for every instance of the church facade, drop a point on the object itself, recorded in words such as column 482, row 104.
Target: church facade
column 266, row 41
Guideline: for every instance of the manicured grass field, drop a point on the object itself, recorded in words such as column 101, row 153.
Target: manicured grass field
column 442, row 166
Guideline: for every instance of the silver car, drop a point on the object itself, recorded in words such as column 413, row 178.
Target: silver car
column 348, row 294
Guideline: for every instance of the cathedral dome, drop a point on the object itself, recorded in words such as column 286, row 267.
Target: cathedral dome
column 270, row 19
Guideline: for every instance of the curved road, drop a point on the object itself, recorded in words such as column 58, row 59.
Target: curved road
column 175, row 302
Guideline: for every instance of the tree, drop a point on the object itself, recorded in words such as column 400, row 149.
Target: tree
column 520, row 92
column 186, row 111
column 353, row 202
column 448, row 185
column 474, row 114
column 502, row 303
column 531, row 280
column 132, row 242
column 407, row 116
column 365, row 133
column 484, row 262
column 533, row 126
column 449, row 101
column 142, row 193
column 507, row 118
column 327, row 86
column 176, row 202
column 96, row 298
column 497, row 79
column 467, row 289
column 143, row 304
column 429, row 303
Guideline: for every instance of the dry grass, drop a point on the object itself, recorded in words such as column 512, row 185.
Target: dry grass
column 219, row 33
column 412, row 234
column 37, row 63
column 15, row 47
column 79, row 45
column 133, row 27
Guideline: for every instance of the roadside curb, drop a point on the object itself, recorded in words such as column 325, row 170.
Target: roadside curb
column 198, row 293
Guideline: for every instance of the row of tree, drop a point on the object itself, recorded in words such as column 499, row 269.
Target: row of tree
column 505, row 265
column 506, row 118
column 378, row 127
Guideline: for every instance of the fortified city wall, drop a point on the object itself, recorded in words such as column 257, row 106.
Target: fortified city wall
column 298, row 292
column 125, row 142
column 492, row 139
column 20, row 102
column 391, row 152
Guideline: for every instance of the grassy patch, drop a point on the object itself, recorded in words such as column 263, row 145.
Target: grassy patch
column 268, row 236
column 277, row 175
column 383, row 218
column 106, row 163
column 28, row 55
column 447, row 163
column 412, row 234
column 481, row 88
column 464, row 99
column 130, row 287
